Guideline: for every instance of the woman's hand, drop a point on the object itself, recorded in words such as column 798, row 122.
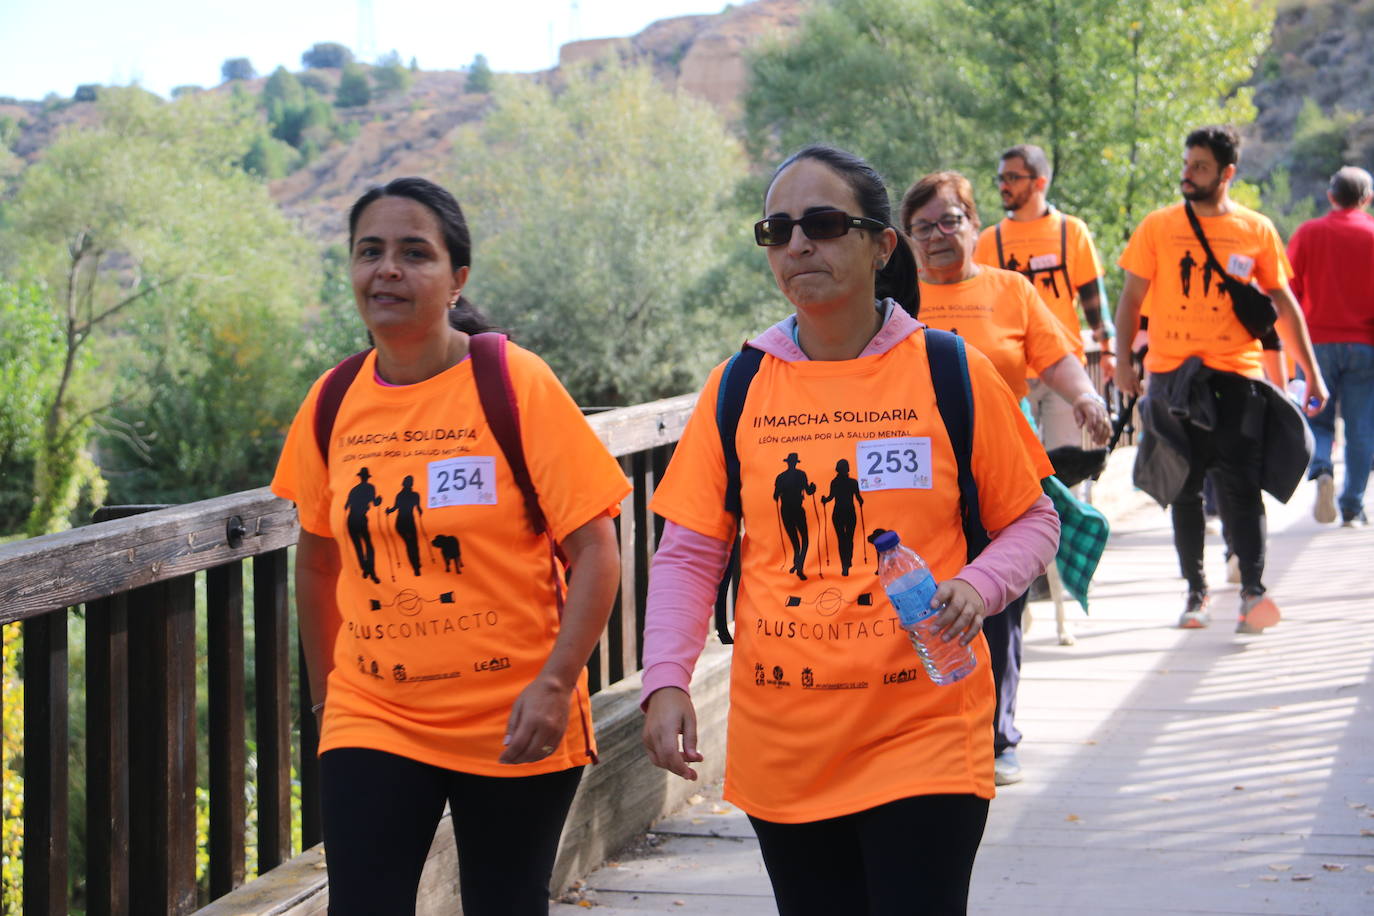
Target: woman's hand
column 670, row 715
column 964, row 611
column 1090, row 412
column 537, row 721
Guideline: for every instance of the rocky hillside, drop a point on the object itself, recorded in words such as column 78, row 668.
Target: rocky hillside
column 1319, row 57
column 411, row 134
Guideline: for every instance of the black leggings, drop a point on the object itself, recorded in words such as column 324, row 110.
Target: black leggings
column 1232, row 457
column 911, row 856
column 380, row 814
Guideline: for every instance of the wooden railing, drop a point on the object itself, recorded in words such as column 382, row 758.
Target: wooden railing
column 138, row 578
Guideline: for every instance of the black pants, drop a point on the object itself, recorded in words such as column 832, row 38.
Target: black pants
column 380, row 813
column 911, row 856
column 1231, row 456
column 1003, row 633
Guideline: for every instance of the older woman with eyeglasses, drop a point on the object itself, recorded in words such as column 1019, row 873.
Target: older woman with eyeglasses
column 867, row 784
column 999, row 313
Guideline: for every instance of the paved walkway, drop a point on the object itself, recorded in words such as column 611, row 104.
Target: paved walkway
column 1167, row 771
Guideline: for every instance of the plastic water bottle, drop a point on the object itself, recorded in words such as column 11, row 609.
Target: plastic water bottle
column 909, row 585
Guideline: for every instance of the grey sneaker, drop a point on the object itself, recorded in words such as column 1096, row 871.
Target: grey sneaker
column 1195, row 614
column 1324, row 509
column 1006, row 769
column 1257, row 613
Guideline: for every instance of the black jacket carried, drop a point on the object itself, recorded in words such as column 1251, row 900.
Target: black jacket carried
column 1184, row 396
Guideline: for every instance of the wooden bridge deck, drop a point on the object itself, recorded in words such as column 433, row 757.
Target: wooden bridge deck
column 1167, row 771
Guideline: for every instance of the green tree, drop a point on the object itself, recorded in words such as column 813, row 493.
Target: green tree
column 269, row 157
column 146, row 221
column 600, row 215
column 31, row 350
column 392, row 78
column 1108, row 88
column 236, row 68
column 327, row 54
column 479, row 75
column 354, row 88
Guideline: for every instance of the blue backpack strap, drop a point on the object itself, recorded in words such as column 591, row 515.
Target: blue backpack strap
column 954, row 396
column 734, row 388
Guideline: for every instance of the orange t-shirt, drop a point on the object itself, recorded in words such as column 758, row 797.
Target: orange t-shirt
column 998, row 312
column 446, row 594
column 1190, row 311
column 830, row 710
column 1033, row 248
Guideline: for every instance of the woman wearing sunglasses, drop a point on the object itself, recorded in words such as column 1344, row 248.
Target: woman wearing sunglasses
column 999, row 313
column 866, row 783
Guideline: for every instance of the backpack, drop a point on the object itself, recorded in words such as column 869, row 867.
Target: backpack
column 1029, row 272
column 953, row 396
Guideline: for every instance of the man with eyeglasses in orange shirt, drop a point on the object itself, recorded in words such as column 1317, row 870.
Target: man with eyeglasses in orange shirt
column 1056, row 254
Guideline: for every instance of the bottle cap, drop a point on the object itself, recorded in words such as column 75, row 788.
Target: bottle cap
column 886, row 540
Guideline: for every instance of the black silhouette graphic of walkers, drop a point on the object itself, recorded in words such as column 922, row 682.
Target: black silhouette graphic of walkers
column 406, row 506
column 360, row 500
column 1185, row 272
column 1013, row 264
column 790, row 490
column 844, row 491
column 1207, row 278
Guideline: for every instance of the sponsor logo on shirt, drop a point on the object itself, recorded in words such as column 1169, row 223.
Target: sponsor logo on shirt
column 809, row 682
column 905, row 676
column 762, row 678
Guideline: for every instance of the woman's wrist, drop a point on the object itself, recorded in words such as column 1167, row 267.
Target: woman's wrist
column 1090, row 396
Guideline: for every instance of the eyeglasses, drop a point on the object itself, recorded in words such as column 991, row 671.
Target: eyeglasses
column 948, row 224
column 1011, row 177
column 818, row 224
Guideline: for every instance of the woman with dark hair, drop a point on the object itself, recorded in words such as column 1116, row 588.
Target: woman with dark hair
column 998, row 312
column 433, row 686
column 866, row 783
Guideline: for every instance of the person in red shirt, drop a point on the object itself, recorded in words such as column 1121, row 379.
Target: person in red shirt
column 1333, row 279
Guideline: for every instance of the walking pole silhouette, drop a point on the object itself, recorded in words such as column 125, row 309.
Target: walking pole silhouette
column 391, row 561
column 815, row 510
column 424, row 533
column 863, row 529
column 782, row 539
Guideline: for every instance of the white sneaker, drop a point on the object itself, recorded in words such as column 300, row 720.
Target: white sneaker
column 1324, row 509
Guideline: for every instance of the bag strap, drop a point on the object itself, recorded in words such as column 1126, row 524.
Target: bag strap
column 734, row 388
column 954, row 397
column 1197, row 230
column 997, row 233
column 1064, row 254
column 491, row 371
column 331, row 396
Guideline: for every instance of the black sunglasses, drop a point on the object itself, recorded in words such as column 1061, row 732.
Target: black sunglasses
column 818, row 224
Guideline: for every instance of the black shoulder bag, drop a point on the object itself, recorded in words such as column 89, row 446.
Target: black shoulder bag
column 1253, row 308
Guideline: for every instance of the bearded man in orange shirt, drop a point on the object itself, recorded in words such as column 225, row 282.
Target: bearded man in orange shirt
column 1055, row 252
column 1196, row 340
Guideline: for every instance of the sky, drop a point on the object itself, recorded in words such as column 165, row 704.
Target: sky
column 48, row 46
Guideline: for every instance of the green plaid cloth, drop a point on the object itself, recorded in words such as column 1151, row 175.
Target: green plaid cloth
column 1083, row 532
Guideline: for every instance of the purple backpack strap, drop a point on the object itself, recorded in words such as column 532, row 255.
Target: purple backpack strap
column 332, row 395
column 497, row 396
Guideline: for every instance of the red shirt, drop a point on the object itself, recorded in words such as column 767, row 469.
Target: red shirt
column 1333, row 276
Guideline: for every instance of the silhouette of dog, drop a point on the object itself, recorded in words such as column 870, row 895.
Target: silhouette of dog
column 448, row 546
